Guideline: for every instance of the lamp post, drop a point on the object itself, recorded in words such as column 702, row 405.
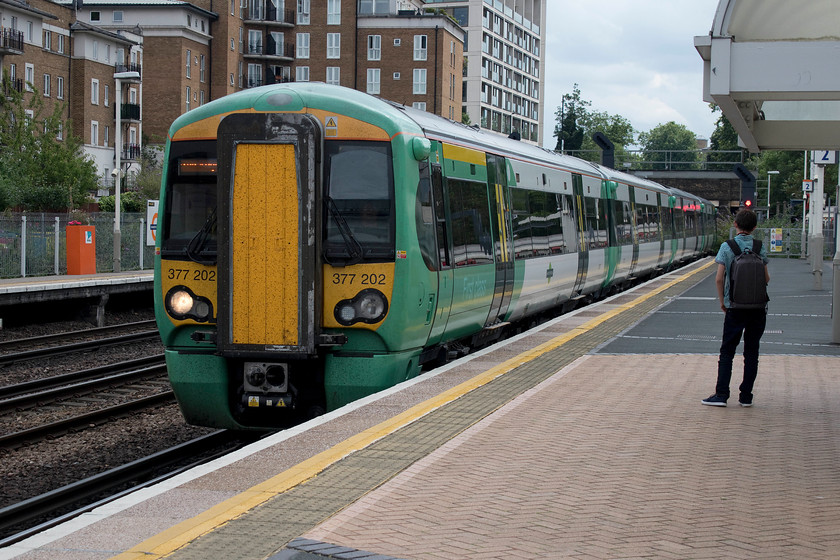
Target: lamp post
column 768, row 190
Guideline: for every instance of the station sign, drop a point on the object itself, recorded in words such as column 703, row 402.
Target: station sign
column 808, row 185
column 151, row 221
column 824, row 157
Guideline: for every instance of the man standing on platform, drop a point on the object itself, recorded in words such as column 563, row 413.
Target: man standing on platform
column 746, row 313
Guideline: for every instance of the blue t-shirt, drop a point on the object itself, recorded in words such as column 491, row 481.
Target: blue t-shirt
column 725, row 256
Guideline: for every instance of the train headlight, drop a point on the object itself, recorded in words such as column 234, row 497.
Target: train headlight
column 182, row 303
column 369, row 306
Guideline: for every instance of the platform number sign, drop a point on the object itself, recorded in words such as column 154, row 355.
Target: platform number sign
column 824, row 157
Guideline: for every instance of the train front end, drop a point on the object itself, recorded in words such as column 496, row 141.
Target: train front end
column 277, row 259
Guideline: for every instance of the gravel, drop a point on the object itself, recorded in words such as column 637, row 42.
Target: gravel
column 49, row 464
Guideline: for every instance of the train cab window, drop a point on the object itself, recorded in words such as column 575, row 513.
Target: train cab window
column 189, row 225
column 425, row 218
column 470, row 218
column 359, row 202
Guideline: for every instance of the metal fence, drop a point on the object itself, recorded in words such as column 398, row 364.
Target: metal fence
column 35, row 244
column 788, row 242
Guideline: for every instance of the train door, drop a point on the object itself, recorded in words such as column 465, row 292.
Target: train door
column 502, row 238
column 583, row 252
column 443, row 305
column 268, row 279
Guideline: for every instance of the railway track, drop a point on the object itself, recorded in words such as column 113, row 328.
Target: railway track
column 13, row 351
column 23, row 519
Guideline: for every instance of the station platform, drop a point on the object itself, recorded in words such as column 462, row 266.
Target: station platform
column 584, row 438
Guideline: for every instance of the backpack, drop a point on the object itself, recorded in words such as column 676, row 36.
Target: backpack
column 747, row 283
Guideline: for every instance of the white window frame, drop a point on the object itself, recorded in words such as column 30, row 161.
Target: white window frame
column 59, row 135
column 94, row 133
column 189, row 66
column 333, row 45
column 96, row 50
column 419, row 105
column 334, row 75
column 29, row 75
column 202, row 68
column 47, row 84
column 302, row 45
column 374, row 81
column 374, row 47
column 61, row 44
column 189, row 99
column 302, row 73
column 333, row 12
column 303, row 9
column 419, row 82
column 107, row 93
column 255, row 41
column 59, row 87
column 94, row 91
column 421, row 47
column 118, row 16
column 107, row 136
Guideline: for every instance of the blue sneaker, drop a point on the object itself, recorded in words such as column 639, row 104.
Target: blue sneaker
column 714, row 400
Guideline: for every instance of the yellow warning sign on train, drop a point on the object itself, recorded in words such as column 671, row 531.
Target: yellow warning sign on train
column 331, row 126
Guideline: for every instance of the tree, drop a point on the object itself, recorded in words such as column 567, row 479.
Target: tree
column 617, row 128
column 724, row 138
column 569, row 134
column 669, row 144
column 37, row 170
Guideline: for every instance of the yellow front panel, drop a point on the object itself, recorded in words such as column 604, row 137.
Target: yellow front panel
column 265, row 246
column 342, row 283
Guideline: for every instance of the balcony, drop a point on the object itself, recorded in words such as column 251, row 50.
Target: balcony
column 130, row 112
column 11, row 85
column 273, row 16
column 131, row 67
column 271, row 51
column 130, row 152
column 11, row 41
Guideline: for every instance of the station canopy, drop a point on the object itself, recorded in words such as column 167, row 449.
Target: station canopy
column 773, row 66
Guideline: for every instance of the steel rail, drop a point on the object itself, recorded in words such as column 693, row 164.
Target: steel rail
column 43, row 339
column 60, row 498
column 39, row 432
column 27, row 387
column 75, row 347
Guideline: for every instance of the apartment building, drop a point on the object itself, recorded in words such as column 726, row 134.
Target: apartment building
column 503, row 84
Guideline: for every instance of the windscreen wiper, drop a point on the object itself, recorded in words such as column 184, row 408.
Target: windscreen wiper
column 199, row 241
column 354, row 248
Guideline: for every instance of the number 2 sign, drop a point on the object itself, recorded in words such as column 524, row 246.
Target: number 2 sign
column 824, row 157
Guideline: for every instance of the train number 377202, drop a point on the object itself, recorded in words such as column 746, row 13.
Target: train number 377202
column 364, row 279
column 194, row 275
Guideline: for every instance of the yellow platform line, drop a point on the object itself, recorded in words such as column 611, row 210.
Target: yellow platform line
column 183, row 533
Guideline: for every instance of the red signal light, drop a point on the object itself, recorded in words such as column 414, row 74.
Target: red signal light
column 748, row 203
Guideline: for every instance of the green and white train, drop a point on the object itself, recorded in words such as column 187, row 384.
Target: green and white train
column 317, row 245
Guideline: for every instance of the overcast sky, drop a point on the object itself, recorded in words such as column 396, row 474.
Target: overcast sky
column 634, row 58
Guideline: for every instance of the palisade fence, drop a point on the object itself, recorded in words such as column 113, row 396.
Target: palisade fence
column 35, row 244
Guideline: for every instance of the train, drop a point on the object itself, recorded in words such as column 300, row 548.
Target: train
column 316, row 245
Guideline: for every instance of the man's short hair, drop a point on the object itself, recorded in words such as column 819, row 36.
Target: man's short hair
column 746, row 220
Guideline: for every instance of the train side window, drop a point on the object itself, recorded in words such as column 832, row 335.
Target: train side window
column 523, row 247
column 425, row 218
column 470, row 219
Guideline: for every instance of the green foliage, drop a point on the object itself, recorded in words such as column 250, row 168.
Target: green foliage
column 37, row 171
column 669, row 144
column 465, row 118
column 568, row 132
column 147, row 182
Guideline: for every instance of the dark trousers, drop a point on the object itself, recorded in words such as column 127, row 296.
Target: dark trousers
column 751, row 323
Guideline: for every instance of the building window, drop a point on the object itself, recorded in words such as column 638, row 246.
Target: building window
column 374, row 47
column 239, row 73
column 61, row 44
column 420, row 47
column 201, row 68
column 233, row 13
column 60, row 133
column 302, row 74
column 231, row 74
column 95, row 16
column 132, row 96
column 256, row 9
column 255, row 39
column 333, row 45
column 96, row 50
column 255, row 75
column 302, row 45
column 303, row 13
column 189, row 98
column 46, row 85
column 373, row 80
column 371, row 7
column 419, row 81
column 118, row 16
column 419, row 105
column 334, row 75
column 189, row 56
column 47, row 40
column 232, row 44
column 94, row 92
column 397, row 42
column 201, row 97
column 94, row 133
column 396, row 75
column 107, row 93
column 107, row 138
column 241, row 39
column 29, row 75
column 59, row 87
column 333, row 12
